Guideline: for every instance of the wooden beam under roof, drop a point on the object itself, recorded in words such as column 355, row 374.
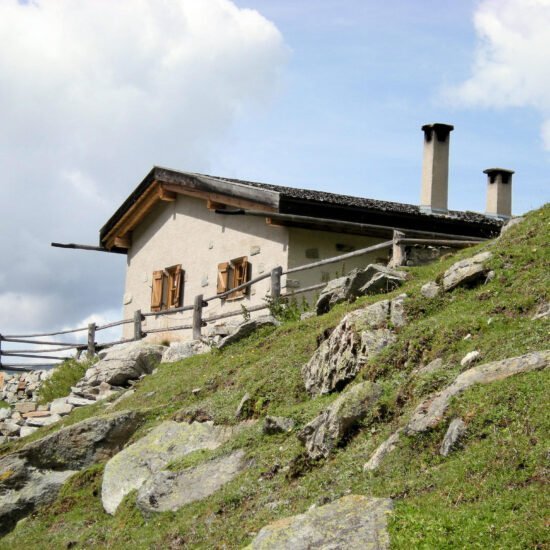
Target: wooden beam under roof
column 133, row 215
column 124, row 242
column 162, row 191
column 218, row 198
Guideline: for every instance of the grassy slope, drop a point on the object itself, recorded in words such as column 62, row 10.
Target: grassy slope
column 488, row 494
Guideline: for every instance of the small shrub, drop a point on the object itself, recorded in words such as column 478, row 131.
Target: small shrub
column 284, row 309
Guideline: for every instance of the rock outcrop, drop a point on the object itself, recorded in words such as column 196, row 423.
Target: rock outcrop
column 93, row 440
column 374, row 279
column 247, row 328
column 132, row 467
column 466, row 272
column 277, row 424
column 455, row 431
column 120, row 364
column 432, row 410
column 353, row 521
column 330, row 428
column 360, row 334
column 182, row 350
column 169, row 491
column 33, row 476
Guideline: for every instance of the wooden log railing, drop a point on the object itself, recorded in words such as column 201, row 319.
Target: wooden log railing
column 198, row 321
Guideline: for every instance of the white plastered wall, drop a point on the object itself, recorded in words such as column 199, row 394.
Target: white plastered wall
column 185, row 232
column 304, row 243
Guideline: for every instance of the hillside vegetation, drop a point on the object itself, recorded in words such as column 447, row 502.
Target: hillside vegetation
column 491, row 492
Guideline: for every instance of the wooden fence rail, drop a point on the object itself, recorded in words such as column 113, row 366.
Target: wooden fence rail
column 199, row 321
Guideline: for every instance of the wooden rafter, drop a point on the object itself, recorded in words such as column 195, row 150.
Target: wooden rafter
column 118, row 236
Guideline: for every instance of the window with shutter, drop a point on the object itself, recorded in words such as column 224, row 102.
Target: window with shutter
column 156, row 290
column 239, row 276
column 223, row 277
column 175, row 275
column 166, row 290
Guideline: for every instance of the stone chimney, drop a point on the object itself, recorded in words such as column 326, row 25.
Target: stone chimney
column 499, row 192
column 435, row 167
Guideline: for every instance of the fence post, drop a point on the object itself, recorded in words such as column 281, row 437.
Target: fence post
column 138, row 335
column 91, row 340
column 276, row 282
column 399, row 256
column 197, row 317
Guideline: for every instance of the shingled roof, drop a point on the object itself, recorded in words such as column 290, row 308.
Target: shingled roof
column 310, row 203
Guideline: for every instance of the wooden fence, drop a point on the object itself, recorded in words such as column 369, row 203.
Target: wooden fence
column 199, row 321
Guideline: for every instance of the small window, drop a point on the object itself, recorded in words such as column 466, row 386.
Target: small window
column 231, row 275
column 166, row 291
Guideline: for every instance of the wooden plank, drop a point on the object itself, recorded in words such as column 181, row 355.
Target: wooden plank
column 197, row 317
column 114, row 324
column 131, row 218
column 51, row 350
column 86, row 247
column 165, row 195
column 356, row 228
column 168, row 329
column 167, row 311
column 244, row 285
column 39, row 342
column 91, row 340
column 438, row 242
column 360, row 252
column 236, row 202
column 266, row 198
column 33, row 356
column 303, row 290
column 125, row 241
column 276, row 282
column 138, row 334
column 234, row 313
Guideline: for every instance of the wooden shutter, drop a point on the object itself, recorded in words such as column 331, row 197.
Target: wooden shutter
column 156, row 291
column 223, row 277
column 174, row 289
column 240, row 276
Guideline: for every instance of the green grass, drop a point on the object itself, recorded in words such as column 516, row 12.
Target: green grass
column 65, row 375
column 4, row 405
column 489, row 493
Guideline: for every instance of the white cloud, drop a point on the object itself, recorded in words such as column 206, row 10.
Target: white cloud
column 511, row 67
column 92, row 95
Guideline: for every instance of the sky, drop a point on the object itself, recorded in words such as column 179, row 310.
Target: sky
column 325, row 94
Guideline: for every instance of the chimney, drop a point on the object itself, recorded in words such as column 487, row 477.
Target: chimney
column 499, row 192
column 435, row 167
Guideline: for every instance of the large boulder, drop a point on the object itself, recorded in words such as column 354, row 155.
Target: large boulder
column 133, row 466
column 330, row 428
column 466, row 272
column 373, row 279
column 182, row 350
column 341, row 290
column 123, row 363
column 40, row 488
column 353, row 521
column 382, row 279
column 360, row 334
column 33, row 476
column 169, row 491
column 248, row 327
column 87, row 442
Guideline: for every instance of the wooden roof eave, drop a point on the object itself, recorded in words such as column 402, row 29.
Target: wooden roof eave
column 162, row 190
